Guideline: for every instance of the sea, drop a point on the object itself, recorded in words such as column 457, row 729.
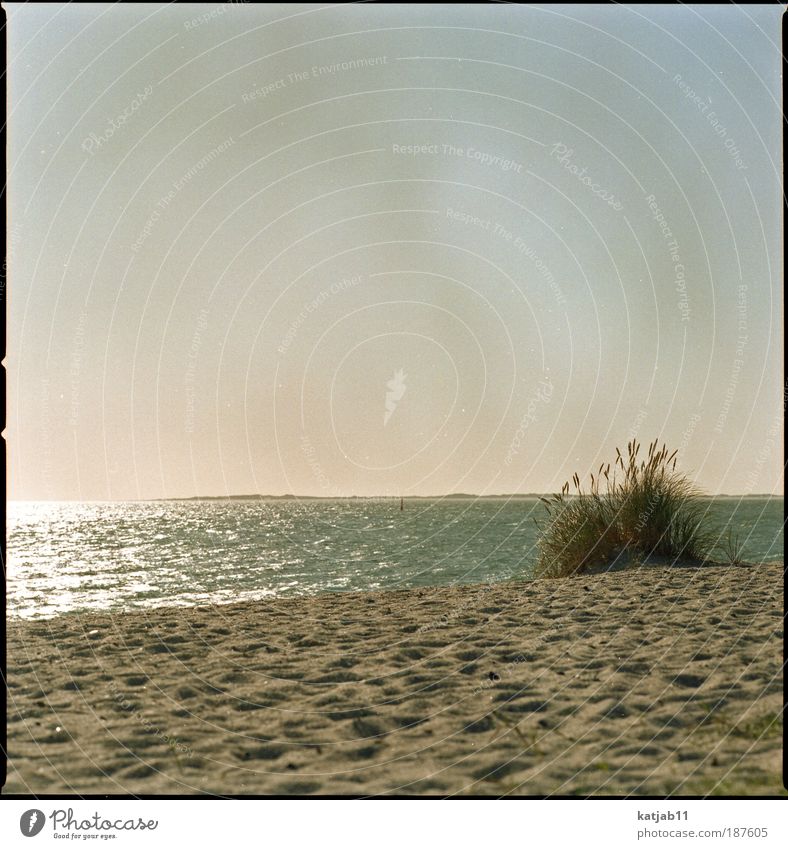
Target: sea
column 65, row 557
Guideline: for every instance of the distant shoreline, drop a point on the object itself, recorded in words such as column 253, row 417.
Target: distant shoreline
column 518, row 496
column 530, row 496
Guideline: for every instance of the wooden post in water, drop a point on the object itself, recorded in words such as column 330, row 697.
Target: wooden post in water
column 402, row 503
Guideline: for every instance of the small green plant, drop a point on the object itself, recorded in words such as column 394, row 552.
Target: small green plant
column 765, row 727
column 643, row 507
column 732, row 548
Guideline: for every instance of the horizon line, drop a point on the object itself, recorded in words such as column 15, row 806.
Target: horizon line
column 292, row 497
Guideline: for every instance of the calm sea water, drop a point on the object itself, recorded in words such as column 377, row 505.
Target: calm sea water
column 68, row 557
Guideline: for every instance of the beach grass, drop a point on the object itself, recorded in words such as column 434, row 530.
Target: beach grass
column 641, row 507
column 731, row 548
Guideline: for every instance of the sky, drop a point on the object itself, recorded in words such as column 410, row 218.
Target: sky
column 390, row 250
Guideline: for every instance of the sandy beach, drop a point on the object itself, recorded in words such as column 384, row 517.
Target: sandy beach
column 652, row 681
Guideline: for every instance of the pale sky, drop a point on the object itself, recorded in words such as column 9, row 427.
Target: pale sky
column 384, row 250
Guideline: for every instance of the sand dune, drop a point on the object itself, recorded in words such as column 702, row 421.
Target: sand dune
column 649, row 681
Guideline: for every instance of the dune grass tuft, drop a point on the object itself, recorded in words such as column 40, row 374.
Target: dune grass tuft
column 643, row 507
column 732, row 548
